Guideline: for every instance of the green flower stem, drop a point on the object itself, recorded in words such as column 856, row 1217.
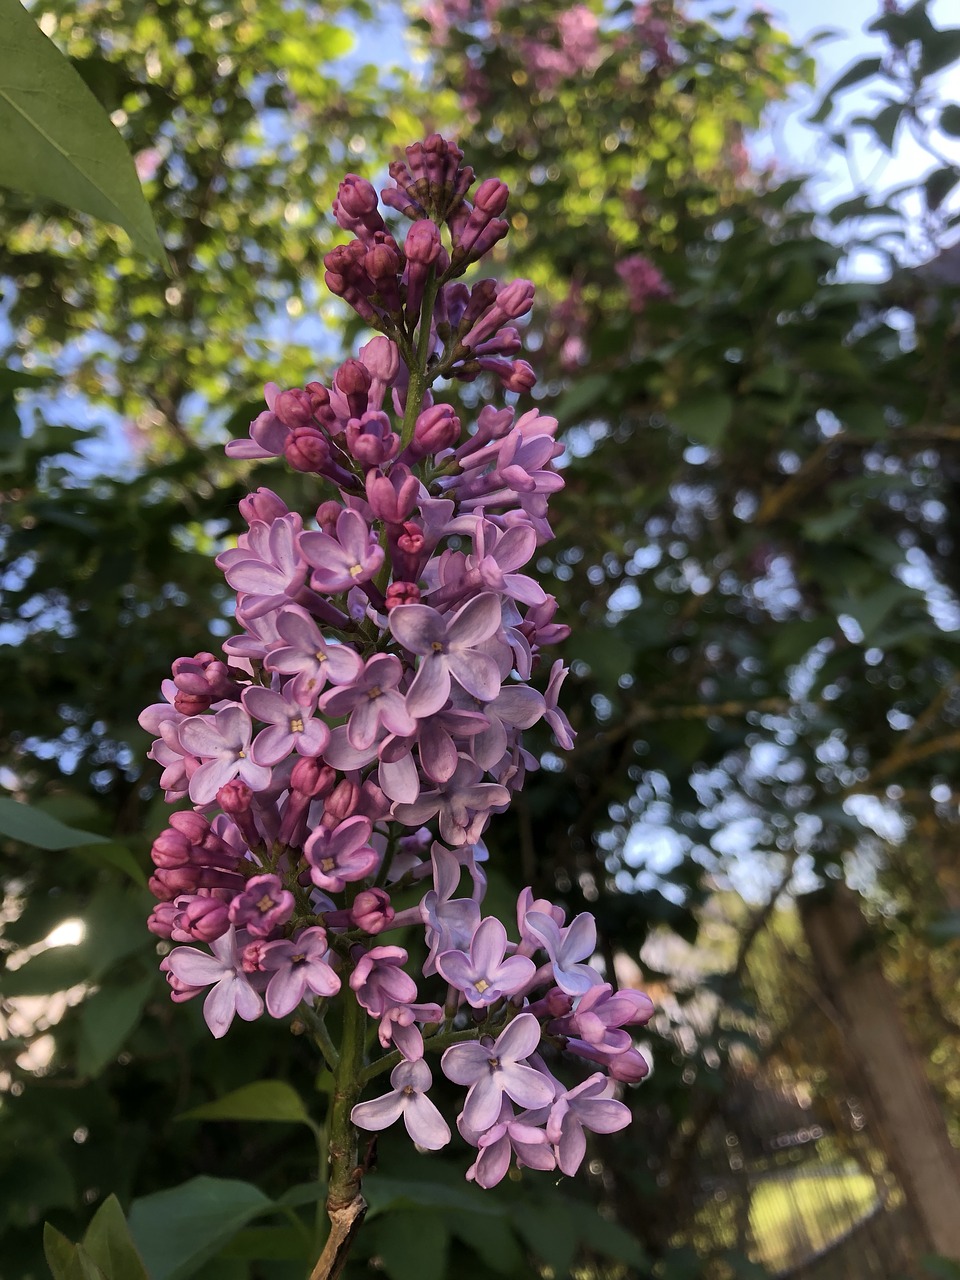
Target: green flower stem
column 322, row 1036
column 419, row 378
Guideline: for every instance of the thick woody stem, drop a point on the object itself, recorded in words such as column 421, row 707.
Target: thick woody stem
column 345, row 1204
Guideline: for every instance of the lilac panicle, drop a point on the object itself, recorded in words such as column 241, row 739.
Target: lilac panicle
column 346, row 752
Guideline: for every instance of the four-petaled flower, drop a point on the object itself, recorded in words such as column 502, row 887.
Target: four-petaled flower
column 494, row 1068
column 298, row 965
column 424, row 1123
column 231, row 993
column 484, row 976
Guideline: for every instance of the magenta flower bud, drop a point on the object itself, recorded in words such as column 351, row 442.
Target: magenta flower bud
column 381, row 357
column 630, row 1066
column 372, row 911
column 327, row 514
column 319, row 401
column 203, row 919
column 311, row 778
column 162, row 919
column 193, row 825
column 356, row 206
column 516, row 299
column 192, row 704
column 353, row 381
column 491, row 197
column 383, row 266
column 171, row 849
column 235, row 797
column 392, row 498
column 423, row 243
column 202, row 675
column 402, row 593
column 411, row 540
column 306, row 449
column 341, row 803
column 436, row 429
column 251, row 957
column 263, row 505
column 293, row 408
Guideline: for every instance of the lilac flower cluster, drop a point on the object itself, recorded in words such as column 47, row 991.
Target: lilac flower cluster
column 343, row 757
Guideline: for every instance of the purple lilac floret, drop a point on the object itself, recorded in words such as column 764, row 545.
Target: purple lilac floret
column 348, row 749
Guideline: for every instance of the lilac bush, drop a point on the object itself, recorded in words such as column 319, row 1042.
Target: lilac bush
column 344, row 756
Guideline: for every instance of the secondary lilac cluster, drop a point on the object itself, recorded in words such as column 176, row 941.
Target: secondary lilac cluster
column 342, row 758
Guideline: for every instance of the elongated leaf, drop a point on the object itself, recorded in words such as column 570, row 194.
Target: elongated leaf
column 31, row 826
column 106, row 1020
column 261, row 1100
column 178, row 1230
column 704, row 417
column 108, row 1242
column 57, row 141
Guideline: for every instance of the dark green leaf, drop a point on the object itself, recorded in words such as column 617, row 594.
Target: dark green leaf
column 106, row 1019
column 57, row 141
column 108, row 1242
column 413, row 1245
column 208, row 1212
column 859, row 71
column 950, row 120
column 704, row 417
column 25, row 823
column 260, row 1100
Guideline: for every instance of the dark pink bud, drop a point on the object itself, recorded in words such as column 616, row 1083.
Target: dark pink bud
column 423, row 243
column 293, row 408
column 382, row 263
column 193, row 825
column 327, row 514
column 263, row 505
column 353, row 381
column 235, row 797
column 171, row 849
column 372, row 911
column 251, row 957
column 411, row 540
column 402, row 593
column 162, row 917
column 204, row 919
column 491, row 197
column 382, row 358
column 437, row 428
column 192, row 704
column 356, row 206
column 630, row 1066
column 373, row 803
column 392, row 498
column 311, row 778
column 306, row 449
column 341, row 802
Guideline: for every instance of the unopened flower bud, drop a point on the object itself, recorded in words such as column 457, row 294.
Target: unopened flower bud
column 436, row 429
column 235, row 797
column 293, row 408
column 203, row 919
column 263, row 505
column 402, row 593
column 341, row 803
column 311, row 778
column 372, row 911
column 306, row 449
column 327, row 514
column 353, row 382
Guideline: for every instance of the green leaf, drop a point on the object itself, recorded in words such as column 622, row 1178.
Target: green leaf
column 950, row 120
column 261, row 1100
column 583, row 395
column 56, row 141
column 550, row 1233
column 704, row 417
column 885, row 122
column 31, row 826
column 58, row 1251
column 391, row 1193
column 413, row 1245
column 269, row 1244
column 178, row 1230
column 106, row 1020
column 491, row 1238
column 108, row 1242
